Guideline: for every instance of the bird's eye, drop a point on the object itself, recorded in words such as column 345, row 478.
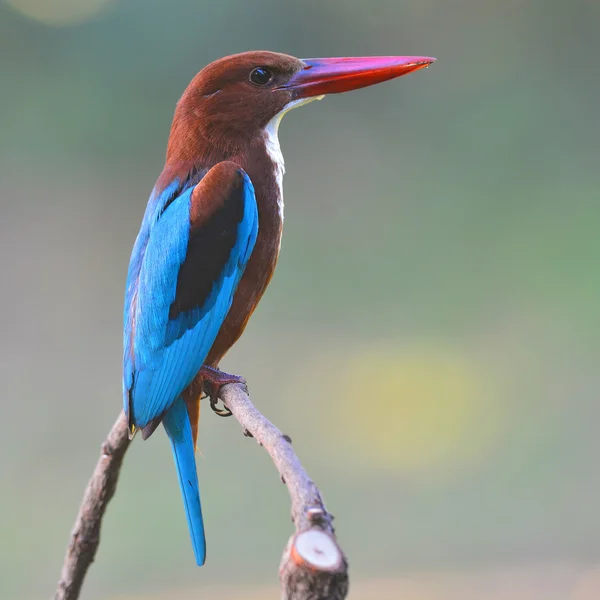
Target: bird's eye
column 261, row 76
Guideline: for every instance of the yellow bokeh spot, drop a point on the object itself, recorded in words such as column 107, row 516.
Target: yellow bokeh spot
column 416, row 409
column 58, row 12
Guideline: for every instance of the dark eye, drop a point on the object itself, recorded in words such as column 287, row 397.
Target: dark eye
column 261, row 76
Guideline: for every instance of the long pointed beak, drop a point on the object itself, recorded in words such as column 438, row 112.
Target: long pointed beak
column 334, row 75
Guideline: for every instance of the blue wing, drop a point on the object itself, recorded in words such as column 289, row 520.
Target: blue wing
column 187, row 262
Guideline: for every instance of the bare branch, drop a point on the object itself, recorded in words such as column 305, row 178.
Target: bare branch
column 85, row 536
column 313, row 566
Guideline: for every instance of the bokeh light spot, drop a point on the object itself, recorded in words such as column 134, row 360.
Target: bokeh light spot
column 59, row 12
column 415, row 409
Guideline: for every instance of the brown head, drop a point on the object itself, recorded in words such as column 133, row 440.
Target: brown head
column 231, row 101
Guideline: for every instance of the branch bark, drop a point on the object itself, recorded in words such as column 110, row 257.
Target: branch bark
column 85, row 537
column 313, row 566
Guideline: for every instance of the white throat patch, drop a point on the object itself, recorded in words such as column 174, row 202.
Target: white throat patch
column 274, row 149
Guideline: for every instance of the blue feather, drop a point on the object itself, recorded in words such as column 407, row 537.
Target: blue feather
column 155, row 206
column 169, row 353
column 163, row 348
column 178, row 428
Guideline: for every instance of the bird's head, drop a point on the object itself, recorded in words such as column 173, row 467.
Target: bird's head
column 232, row 100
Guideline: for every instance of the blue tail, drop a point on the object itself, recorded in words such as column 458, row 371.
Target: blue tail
column 179, row 430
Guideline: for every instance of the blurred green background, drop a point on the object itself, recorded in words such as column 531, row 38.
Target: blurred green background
column 430, row 340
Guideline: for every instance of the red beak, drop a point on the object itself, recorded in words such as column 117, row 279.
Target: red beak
column 335, row 75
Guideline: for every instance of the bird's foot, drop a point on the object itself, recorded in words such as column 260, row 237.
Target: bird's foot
column 215, row 380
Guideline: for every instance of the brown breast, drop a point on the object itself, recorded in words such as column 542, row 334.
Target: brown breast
column 261, row 266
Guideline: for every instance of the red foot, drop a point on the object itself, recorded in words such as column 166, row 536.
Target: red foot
column 215, row 380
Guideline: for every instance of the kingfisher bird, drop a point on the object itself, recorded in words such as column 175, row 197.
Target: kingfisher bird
column 210, row 238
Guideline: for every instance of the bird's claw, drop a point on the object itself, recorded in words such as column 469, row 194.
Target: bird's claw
column 216, row 379
column 220, row 412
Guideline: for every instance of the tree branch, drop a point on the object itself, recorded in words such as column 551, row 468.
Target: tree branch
column 313, row 566
column 85, row 537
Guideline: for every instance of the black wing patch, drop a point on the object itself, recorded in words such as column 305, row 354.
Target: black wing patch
column 217, row 210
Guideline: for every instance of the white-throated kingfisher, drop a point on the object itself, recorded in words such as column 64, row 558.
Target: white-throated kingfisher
column 210, row 238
